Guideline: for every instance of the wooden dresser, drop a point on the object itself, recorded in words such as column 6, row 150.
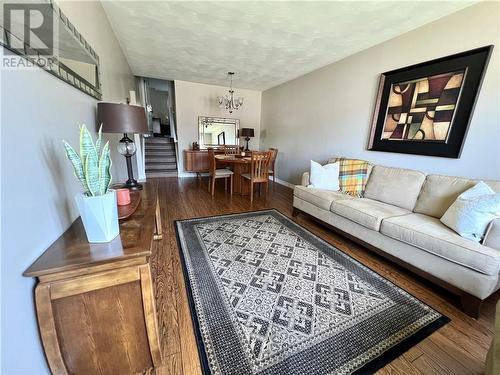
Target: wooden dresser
column 197, row 160
column 95, row 304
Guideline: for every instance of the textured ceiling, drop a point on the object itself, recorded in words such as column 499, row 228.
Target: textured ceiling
column 265, row 43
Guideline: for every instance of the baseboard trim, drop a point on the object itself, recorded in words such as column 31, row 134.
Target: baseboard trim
column 282, row 182
column 186, row 174
column 204, row 174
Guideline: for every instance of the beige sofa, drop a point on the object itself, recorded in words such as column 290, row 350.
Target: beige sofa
column 398, row 217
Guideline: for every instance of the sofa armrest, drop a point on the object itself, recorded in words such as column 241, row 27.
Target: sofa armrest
column 492, row 237
column 305, row 179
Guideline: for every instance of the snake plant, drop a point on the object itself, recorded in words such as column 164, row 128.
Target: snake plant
column 93, row 166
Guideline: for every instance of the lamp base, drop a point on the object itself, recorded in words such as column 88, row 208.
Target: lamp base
column 132, row 184
column 247, row 139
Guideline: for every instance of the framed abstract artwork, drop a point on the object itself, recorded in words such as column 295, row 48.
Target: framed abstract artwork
column 426, row 109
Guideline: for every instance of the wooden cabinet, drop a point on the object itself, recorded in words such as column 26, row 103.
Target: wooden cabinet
column 95, row 303
column 196, row 161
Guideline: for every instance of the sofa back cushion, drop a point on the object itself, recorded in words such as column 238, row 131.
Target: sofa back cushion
column 396, row 186
column 439, row 192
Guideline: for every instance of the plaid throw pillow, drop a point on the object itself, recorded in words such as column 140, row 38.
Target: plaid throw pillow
column 353, row 175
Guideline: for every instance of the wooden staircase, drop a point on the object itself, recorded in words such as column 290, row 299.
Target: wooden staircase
column 160, row 157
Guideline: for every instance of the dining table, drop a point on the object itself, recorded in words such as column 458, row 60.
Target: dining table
column 239, row 165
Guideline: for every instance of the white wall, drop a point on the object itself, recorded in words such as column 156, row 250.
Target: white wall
column 37, row 183
column 329, row 111
column 197, row 99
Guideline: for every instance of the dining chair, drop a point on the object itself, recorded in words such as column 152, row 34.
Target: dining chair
column 259, row 171
column 231, row 150
column 215, row 173
column 272, row 166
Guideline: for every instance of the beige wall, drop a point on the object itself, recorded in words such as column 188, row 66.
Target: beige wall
column 38, row 185
column 329, row 111
column 197, row 99
column 116, row 77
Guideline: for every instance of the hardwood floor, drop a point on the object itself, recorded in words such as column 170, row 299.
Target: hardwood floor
column 458, row 348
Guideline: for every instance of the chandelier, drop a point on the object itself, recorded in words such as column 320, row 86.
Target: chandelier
column 228, row 101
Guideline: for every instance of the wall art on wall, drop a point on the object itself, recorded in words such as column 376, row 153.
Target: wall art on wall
column 426, row 108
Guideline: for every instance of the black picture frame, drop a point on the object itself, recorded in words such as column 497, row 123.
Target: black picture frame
column 474, row 64
column 221, row 139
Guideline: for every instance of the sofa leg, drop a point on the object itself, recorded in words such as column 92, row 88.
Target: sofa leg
column 295, row 212
column 471, row 305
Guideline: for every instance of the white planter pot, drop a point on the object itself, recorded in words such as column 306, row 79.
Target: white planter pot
column 99, row 215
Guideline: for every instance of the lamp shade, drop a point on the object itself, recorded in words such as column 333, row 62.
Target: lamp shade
column 121, row 118
column 246, row 132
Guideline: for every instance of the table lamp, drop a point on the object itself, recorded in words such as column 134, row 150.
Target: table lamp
column 123, row 118
column 246, row 133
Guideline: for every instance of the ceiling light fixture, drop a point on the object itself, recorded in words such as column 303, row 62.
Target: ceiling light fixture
column 229, row 102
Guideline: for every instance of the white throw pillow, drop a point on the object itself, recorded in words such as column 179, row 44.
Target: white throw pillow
column 473, row 210
column 325, row 176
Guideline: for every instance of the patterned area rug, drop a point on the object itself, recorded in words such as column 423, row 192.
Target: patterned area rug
column 269, row 297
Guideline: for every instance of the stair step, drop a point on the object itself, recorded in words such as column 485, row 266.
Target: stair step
column 160, row 162
column 165, row 168
column 161, row 166
column 154, row 164
column 161, row 174
column 160, row 156
column 160, row 159
column 160, row 140
column 161, row 171
column 160, row 153
column 159, row 144
column 159, row 147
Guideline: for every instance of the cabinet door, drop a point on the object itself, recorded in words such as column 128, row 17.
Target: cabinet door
column 196, row 161
column 100, row 324
column 202, row 164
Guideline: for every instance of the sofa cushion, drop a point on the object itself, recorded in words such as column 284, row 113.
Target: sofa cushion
column 366, row 212
column 473, row 211
column 396, row 186
column 495, row 185
column 325, row 176
column 429, row 234
column 439, row 193
column 320, row 198
column 492, row 236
